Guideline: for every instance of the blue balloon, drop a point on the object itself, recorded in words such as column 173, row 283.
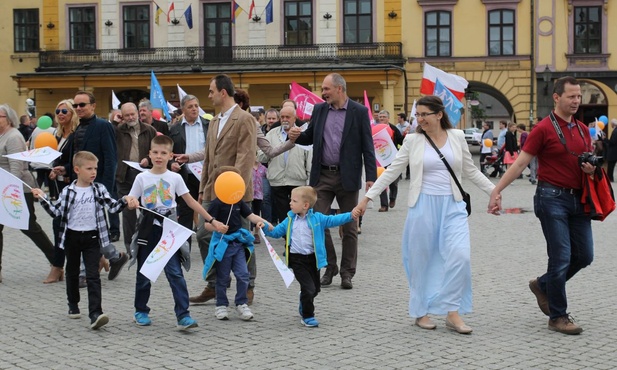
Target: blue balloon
column 592, row 131
column 603, row 119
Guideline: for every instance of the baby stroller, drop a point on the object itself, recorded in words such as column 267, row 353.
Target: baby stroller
column 495, row 162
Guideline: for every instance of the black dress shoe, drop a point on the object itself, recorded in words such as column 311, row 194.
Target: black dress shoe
column 326, row 279
column 346, row 283
column 114, row 237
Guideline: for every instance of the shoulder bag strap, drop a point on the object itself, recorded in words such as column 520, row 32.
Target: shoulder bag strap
column 446, row 163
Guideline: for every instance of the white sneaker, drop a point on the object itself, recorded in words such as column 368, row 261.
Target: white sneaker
column 221, row 313
column 244, row 311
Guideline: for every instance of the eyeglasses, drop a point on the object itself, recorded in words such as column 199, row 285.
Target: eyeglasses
column 424, row 115
column 80, row 105
column 63, row 111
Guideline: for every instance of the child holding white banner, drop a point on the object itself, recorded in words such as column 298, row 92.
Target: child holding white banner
column 306, row 251
column 84, row 232
column 157, row 189
column 231, row 251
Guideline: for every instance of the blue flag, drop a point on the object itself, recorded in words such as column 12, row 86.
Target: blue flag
column 450, row 102
column 269, row 13
column 188, row 15
column 156, row 96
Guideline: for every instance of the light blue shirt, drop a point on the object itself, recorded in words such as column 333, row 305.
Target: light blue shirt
column 501, row 139
column 302, row 241
column 195, row 141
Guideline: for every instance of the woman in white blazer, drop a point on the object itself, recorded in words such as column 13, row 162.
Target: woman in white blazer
column 436, row 246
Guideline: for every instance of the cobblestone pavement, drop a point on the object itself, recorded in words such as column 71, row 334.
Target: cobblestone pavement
column 364, row 328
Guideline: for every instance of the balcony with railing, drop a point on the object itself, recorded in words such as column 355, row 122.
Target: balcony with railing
column 372, row 53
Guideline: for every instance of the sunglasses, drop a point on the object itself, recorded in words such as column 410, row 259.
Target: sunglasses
column 80, row 105
column 63, row 111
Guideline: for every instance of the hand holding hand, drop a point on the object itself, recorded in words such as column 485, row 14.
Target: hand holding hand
column 270, row 227
column 132, row 202
column 260, row 224
column 494, row 204
column 293, row 133
column 175, row 167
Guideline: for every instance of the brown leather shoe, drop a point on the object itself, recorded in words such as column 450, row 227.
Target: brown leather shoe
column 250, row 295
column 383, row 209
column 205, row 296
column 326, row 279
column 346, row 283
column 392, row 203
column 534, row 286
column 564, row 324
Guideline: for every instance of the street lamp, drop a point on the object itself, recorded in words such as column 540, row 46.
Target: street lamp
column 546, row 76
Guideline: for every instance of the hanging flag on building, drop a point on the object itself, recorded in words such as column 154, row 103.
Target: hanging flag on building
column 171, row 7
column 236, row 10
column 251, row 9
column 115, row 102
column 157, row 13
column 188, row 15
column 456, row 84
column 269, row 13
column 450, row 102
column 156, row 96
column 305, row 100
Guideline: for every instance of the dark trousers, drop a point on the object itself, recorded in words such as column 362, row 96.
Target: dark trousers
column 329, row 187
column 483, row 160
column 256, row 208
column 185, row 213
column 173, row 272
column 383, row 197
column 76, row 245
column 34, row 232
column 280, row 197
column 55, row 225
column 307, row 274
column 129, row 216
column 610, row 170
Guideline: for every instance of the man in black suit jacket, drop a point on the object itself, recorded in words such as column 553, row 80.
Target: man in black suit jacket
column 196, row 129
column 340, row 132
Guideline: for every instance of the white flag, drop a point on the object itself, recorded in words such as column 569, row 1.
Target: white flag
column 41, row 155
column 385, row 150
column 286, row 273
column 115, row 102
column 182, row 94
column 14, row 211
column 135, row 165
column 174, row 235
column 196, row 168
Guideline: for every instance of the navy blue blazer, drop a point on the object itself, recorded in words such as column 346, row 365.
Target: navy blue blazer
column 356, row 145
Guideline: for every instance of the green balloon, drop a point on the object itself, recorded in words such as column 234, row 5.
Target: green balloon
column 44, row 123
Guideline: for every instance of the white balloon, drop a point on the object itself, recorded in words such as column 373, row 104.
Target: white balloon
column 29, row 102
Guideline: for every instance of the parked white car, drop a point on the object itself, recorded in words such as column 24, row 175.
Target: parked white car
column 473, row 135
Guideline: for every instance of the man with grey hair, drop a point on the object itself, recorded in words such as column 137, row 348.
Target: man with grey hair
column 340, row 132
column 189, row 137
column 145, row 116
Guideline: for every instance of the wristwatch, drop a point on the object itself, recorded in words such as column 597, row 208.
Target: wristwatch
column 211, row 220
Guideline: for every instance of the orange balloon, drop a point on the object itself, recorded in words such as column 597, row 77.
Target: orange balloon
column 45, row 139
column 600, row 125
column 229, row 187
column 488, row 143
column 380, row 171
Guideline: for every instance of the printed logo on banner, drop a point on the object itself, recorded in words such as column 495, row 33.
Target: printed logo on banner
column 11, row 200
column 383, row 149
column 165, row 245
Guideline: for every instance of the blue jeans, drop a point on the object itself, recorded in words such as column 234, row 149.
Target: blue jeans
column 234, row 260
column 266, row 204
column 173, row 272
column 569, row 242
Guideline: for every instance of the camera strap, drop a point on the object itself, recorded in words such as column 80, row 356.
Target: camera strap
column 562, row 138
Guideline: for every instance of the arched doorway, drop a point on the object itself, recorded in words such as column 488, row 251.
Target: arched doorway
column 133, row 96
column 593, row 104
column 486, row 103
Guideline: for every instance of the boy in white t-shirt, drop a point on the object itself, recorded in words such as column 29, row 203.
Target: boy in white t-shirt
column 157, row 189
column 81, row 208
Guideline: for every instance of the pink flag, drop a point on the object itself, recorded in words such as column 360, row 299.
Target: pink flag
column 305, row 100
column 456, row 84
column 368, row 106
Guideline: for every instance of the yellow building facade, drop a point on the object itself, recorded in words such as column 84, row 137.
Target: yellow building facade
column 510, row 50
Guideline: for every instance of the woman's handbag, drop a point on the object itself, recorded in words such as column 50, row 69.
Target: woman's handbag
column 598, row 199
column 466, row 196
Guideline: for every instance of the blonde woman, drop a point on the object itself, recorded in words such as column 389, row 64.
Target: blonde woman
column 67, row 120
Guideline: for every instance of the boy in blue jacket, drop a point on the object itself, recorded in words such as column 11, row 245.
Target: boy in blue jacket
column 306, row 252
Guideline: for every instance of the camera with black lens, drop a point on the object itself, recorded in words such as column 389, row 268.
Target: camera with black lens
column 590, row 158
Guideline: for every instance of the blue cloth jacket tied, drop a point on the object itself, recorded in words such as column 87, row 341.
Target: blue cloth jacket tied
column 318, row 222
column 219, row 243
